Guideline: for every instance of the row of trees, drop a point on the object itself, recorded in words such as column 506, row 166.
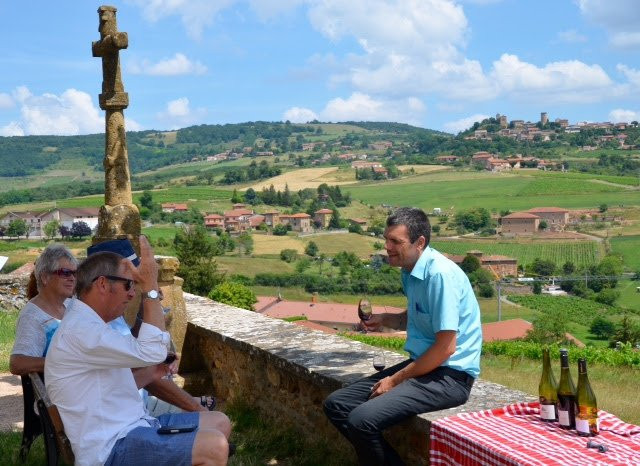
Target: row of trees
column 19, row 227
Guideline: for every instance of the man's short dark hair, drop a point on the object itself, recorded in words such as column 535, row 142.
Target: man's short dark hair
column 415, row 220
column 96, row 265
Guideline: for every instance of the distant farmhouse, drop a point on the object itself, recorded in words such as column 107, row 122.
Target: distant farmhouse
column 528, row 222
column 65, row 216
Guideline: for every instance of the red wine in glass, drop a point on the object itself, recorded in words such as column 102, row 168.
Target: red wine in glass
column 364, row 309
column 379, row 361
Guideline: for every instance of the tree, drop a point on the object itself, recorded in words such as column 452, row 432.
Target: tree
column 470, row 263
column 311, row 249
column 568, row 268
column 244, row 241
column 234, row 294
column 542, row 267
column 280, row 230
column 195, row 249
column 335, row 221
column 549, row 327
column 602, row 328
column 543, row 225
column 288, row 255
column 146, row 200
column 303, row 264
column 235, row 197
column 51, row 228
column 625, row 332
column 17, row 227
column 80, row 229
column 473, row 219
column 64, row 231
column 603, row 208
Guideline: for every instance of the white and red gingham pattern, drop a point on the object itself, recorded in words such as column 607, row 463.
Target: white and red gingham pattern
column 515, row 435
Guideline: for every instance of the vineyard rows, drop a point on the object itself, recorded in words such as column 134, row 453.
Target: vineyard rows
column 581, row 253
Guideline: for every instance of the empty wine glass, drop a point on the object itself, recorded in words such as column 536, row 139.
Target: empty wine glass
column 364, row 309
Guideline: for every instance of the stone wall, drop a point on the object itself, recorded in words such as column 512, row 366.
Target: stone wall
column 287, row 371
column 13, row 291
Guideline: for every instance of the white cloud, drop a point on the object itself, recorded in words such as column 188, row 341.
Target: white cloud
column 463, row 123
column 632, row 75
column 70, row 113
column 571, row 36
column 362, row 107
column 12, row 129
column 299, row 115
column 179, row 64
column 568, row 80
column 621, row 115
column 179, row 113
column 620, row 18
column 5, row 101
column 196, row 15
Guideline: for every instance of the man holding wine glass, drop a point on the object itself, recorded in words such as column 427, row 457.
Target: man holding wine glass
column 444, row 340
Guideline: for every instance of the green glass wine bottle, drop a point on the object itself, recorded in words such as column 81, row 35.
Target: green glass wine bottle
column 566, row 394
column 548, row 390
column 587, row 413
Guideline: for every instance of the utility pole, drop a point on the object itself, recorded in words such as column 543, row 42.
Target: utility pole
column 499, row 300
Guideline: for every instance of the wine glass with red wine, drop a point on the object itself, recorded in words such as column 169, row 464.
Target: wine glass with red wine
column 379, row 361
column 364, row 309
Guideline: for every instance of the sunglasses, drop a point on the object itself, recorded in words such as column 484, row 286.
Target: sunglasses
column 66, row 273
column 128, row 283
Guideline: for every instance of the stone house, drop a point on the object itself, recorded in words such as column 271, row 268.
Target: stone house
column 520, row 223
column 298, row 222
column 214, row 221
column 272, row 218
column 69, row 215
column 556, row 217
column 499, row 266
column 33, row 220
column 237, row 220
column 322, row 217
column 171, row 207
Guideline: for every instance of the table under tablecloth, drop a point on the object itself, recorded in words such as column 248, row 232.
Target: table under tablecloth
column 515, row 435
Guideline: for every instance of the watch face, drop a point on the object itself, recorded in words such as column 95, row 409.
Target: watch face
column 153, row 294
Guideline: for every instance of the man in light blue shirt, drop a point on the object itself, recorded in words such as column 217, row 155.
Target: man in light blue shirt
column 444, row 341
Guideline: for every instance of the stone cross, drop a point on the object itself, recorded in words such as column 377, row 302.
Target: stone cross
column 119, row 217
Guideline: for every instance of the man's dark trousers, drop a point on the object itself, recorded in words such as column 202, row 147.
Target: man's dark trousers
column 361, row 420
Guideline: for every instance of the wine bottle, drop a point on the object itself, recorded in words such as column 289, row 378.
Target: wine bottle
column 587, row 414
column 566, row 394
column 548, row 390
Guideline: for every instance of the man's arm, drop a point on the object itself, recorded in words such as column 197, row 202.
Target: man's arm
column 386, row 319
column 168, row 391
column 19, row 364
column 439, row 352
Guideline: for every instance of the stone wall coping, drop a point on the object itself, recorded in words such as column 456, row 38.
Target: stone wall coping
column 328, row 359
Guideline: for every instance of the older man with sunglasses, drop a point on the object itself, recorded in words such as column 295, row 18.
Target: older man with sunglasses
column 88, row 373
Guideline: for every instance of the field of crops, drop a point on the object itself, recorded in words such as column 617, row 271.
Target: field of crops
column 579, row 310
column 516, row 191
column 578, row 252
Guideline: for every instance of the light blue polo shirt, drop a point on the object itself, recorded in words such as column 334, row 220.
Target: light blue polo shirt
column 440, row 297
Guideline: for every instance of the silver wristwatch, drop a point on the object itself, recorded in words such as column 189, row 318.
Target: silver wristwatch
column 151, row 294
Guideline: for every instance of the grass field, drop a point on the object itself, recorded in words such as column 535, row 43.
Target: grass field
column 578, row 252
column 627, row 247
column 301, row 179
column 464, row 190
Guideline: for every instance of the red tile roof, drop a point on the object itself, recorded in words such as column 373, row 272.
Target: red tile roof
column 520, row 215
column 324, row 211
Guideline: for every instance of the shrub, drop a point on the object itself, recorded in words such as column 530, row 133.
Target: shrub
column 602, row 328
column 234, row 294
column 288, row 255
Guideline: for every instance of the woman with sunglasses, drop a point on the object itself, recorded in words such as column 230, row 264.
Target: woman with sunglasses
column 55, row 274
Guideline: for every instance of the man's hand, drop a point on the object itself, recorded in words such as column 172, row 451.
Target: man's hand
column 374, row 324
column 146, row 274
column 173, row 367
column 381, row 387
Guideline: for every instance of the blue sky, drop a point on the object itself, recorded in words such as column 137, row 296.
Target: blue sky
column 438, row 64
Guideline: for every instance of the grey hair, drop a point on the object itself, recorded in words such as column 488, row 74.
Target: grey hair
column 94, row 266
column 49, row 261
column 415, row 220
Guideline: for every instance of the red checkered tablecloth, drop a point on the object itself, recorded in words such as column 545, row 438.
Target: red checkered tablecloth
column 515, row 435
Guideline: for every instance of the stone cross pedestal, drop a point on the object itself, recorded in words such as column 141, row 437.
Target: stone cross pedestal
column 119, row 217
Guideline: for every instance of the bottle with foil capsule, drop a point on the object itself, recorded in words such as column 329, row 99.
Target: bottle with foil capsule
column 587, row 413
column 566, row 394
column 548, row 390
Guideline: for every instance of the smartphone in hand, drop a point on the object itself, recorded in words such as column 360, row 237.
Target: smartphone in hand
column 177, row 429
